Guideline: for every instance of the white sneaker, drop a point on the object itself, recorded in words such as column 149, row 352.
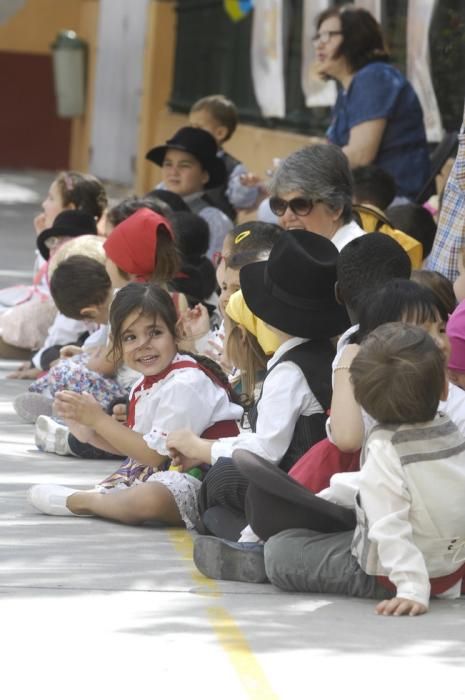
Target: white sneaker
column 29, row 406
column 51, row 436
column 50, row 499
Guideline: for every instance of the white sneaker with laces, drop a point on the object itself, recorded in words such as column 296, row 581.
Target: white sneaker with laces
column 51, row 499
column 51, row 436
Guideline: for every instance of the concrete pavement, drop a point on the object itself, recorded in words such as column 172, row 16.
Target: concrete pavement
column 97, row 610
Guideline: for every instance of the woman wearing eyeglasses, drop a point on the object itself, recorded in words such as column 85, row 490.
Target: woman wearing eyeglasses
column 377, row 117
column 312, row 189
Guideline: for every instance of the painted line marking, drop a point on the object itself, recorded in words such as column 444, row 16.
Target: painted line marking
column 227, row 631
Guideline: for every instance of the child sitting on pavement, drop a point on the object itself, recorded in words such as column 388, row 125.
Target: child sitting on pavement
column 143, row 327
column 409, row 539
column 290, row 414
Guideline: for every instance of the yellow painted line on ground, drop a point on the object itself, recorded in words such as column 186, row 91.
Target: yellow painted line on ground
column 184, row 545
column 240, row 654
column 227, row 631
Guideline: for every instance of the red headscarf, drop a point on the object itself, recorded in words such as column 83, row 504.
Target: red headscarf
column 132, row 245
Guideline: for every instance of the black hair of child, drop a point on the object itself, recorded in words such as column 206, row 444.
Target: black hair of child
column 128, row 206
column 192, row 234
column 373, row 185
column 153, row 301
column 79, row 282
column 397, row 300
column 171, row 199
column 368, row 262
column 415, row 220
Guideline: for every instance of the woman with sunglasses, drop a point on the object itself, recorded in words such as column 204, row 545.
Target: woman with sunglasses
column 312, row 189
column 377, row 117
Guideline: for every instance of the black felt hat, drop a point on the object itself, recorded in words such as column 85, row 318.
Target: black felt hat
column 293, row 290
column 69, row 223
column 274, row 500
column 201, row 145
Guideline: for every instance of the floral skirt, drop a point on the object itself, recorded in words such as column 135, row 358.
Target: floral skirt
column 183, row 487
column 74, row 375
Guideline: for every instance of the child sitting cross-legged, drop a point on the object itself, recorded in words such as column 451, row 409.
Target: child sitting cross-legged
column 175, row 390
column 301, row 310
column 408, row 543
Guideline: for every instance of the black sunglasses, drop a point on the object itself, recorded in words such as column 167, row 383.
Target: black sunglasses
column 300, row 206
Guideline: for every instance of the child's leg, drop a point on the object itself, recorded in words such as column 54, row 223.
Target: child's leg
column 132, row 506
column 312, row 562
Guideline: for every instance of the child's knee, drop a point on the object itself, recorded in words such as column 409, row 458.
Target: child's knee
column 276, row 559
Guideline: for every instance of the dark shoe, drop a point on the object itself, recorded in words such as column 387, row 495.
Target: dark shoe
column 223, row 522
column 230, row 561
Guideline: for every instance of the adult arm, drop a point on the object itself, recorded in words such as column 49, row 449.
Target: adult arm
column 364, row 142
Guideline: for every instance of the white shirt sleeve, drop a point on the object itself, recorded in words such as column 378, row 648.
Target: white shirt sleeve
column 386, row 501
column 286, row 395
column 188, row 400
column 63, row 331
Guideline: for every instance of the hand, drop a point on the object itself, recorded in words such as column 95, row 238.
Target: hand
column 120, row 412
column 39, row 223
column 250, row 180
column 25, row 372
column 194, row 323
column 70, row 351
column 183, row 443
column 400, row 606
column 82, row 408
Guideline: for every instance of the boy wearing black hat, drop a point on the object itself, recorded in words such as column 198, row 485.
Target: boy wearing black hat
column 292, row 292
column 190, row 165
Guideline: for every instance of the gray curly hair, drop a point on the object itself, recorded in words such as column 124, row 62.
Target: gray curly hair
column 321, row 173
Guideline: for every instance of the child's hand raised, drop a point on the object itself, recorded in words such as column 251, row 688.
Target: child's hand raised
column 400, row 606
column 82, row 408
column 194, row 323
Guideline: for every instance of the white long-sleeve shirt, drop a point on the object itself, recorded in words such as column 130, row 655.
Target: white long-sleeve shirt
column 285, row 396
column 410, row 505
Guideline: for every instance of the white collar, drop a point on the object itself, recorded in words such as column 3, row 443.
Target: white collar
column 287, row 345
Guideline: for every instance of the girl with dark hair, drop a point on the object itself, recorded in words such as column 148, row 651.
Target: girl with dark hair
column 175, row 390
column 377, row 117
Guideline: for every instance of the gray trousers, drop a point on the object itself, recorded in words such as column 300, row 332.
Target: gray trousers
column 314, row 562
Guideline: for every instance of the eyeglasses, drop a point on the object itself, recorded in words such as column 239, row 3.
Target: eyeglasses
column 300, row 206
column 324, row 37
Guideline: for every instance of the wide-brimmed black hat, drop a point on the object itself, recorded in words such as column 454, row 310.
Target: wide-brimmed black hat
column 201, row 145
column 70, row 223
column 276, row 502
column 294, row 289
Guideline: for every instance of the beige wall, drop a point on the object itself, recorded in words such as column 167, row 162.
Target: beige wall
column 33, row 28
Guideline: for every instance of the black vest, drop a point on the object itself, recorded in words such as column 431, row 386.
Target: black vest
column 315, row 359
column 217, row 196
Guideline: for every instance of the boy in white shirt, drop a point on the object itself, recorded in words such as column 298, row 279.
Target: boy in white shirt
column 409, row 540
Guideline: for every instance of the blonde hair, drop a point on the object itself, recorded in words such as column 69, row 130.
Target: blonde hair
column 244, row 351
